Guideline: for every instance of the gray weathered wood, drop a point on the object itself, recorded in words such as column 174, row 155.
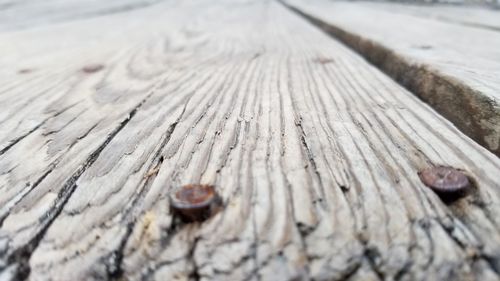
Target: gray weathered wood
column 475, row 16
column 20, row 14
column 453, row 67
column 314, row 151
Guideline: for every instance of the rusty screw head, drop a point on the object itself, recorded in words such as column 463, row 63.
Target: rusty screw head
column 445, row 180
column 91, row 68
column 194, row 202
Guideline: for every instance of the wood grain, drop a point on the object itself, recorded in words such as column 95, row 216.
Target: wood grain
column 451, row 66
column 315, row 153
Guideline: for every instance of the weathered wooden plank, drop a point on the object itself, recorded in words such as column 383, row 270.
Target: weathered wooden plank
column 454, row 68
column 75, row 122
column 475, row 16
column 451, row 3
column 15, row 14
column 314, row 151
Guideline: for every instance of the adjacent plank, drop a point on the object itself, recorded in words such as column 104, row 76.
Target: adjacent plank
column 453, row 67
column 16, row 14
column 476, row 16
column 314, row 151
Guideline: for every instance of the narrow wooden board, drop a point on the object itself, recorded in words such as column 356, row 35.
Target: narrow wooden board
column 473, row 16
column 15, row 14
column 455, row 68
column 315, row 153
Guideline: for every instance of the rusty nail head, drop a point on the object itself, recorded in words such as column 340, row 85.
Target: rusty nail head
column 195, row 202
column 445, row 180
column 323, row 60
column 91, row 68
column 25, row 70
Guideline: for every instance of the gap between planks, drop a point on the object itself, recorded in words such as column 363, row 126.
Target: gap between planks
column 471, row 103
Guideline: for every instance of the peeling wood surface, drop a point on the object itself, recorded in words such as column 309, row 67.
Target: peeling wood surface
column 454, row 67
column 315, row 153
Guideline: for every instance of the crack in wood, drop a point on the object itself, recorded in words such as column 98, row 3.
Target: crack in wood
column 16, row 140
column 21, row 256
column 113, row 262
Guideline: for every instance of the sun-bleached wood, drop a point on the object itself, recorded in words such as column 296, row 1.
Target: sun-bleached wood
column 315, row 153
column 468, row 15
column 15, row 14
column 453, row 67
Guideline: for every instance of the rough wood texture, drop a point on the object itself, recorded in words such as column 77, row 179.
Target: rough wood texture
column 314, row 152
column 453, row 67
